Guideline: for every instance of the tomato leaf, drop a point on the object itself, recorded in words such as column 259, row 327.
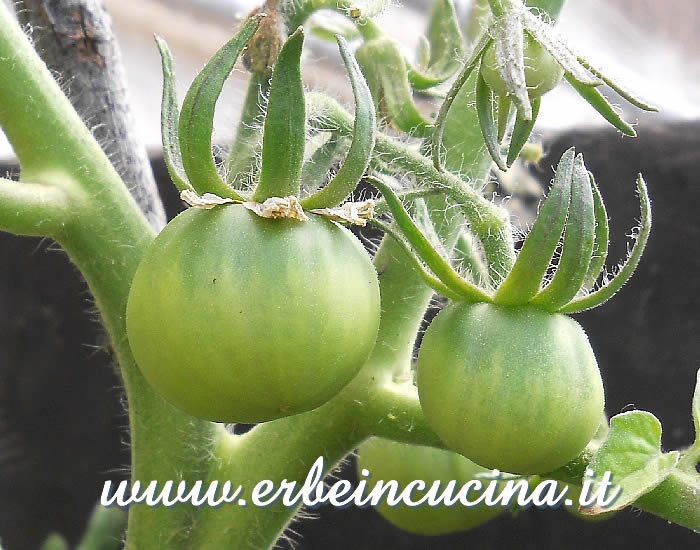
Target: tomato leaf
column 360, row 152
column 602, row 105
column 504, row 110
column 551, row 7
column 632, row 454
column 197, row 115
column 604, row 293
column 578, row 244
column 169, row 117
column 601, row 240
column 425, row 250
column 524, row 280
column 385, row 69
column 482, row 43
column 484, row 106
column 521, row 132
column 445, row 47
column 284, row 135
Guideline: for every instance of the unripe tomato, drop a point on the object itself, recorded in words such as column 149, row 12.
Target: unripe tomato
column 389, row 460
column 236, row 318
column 512, row 388
column 542, row 72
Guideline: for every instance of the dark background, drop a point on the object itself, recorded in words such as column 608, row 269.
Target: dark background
column 62, row 424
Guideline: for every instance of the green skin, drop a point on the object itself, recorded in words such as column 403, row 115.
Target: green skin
column 512, row 388
column 389, row 460
column 542, row 72
column 237, row 318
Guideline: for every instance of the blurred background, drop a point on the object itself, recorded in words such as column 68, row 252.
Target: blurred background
column 61, row 419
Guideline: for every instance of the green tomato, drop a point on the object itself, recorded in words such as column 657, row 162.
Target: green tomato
column 542, row 72
column 389, row 460
column 512, row 388
column 236, row 318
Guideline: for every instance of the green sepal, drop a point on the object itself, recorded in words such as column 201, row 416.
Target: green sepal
column 602, row 105
column 551, row 7
column 284, row 134
column 169, row 117
column 360, row 151
column 577, row 246
column 425, row 250
column 468, row 254
column 622, row 92
column 549, row 39
column 691, row 457
column 525, row 278
column 632, row 453
column 510, row 52
column 607, row 291
column 521, row 132
column 105, row 529
column 504, row 115
column 428, row 278
column 445, row 47
column 484, row 107
column 601, row 239
column 328, row 25
column 314, row 173
column 197, row 115
column 439, row 129
column 386, row 72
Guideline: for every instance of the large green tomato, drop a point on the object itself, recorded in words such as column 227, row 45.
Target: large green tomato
column 388, row 460
column 542, row 71
column 512, row 388
column 237, row 318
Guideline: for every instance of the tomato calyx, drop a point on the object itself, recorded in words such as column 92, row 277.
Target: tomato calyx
column 573, row 214
column 521, row 57
column 355, row 213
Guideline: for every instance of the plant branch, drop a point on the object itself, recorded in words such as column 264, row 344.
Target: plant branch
column 32, row 208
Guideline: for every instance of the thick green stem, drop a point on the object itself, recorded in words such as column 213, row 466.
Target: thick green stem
column 105, row 236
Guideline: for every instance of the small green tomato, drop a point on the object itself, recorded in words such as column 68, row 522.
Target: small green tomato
column 512, row 388
column 389, row 460
column 236, row 318
column 542, row 72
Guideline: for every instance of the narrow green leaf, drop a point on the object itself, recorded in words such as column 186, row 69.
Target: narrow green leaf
column 696, row 409
column 600, row 104
column 445, row 45
column 54, row 542
column 169, row 117
column 284, row 135
column 484, row 107
column 602, row 236
column 439, row 129
column 691, row 456
column 360, row 152
column 382, row 208
column 197, row 115
column 632, row 454
column 549, row 38
column 433, row 282
column 385, row 69
column 510, row 53
column 521, row 132
column 578, row 245
column 623, row 92
column 604, row 293
column 524, row 280
column 504, row 111
column 441, row 267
